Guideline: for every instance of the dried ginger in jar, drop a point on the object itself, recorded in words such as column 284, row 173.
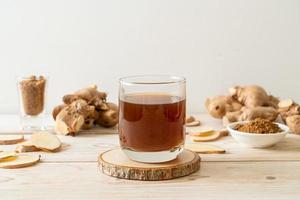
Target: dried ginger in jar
column 32, row 94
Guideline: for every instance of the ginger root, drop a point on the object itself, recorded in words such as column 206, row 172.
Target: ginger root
column 110, row 117
column 290, row 114
column 91, row 95
column 231, row 117
column 288, row 107
column 218, row 106
column 84, row 109
column 243, row 103
column 252, row 96
column 57, row 110
column 247, row 114
column 252, row 102
column 71, row 118
column 261, row 112
column 293, row 123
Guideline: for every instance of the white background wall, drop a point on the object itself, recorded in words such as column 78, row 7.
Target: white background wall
column 214, row 43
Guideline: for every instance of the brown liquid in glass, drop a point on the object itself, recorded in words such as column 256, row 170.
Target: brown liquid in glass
column 151, row 122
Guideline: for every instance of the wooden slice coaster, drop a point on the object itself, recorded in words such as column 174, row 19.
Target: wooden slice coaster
column 115, row 163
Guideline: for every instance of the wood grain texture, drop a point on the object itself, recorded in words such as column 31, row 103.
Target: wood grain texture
column 215, row 180
column 241, row 173
column 87, row 148
column 115, row 163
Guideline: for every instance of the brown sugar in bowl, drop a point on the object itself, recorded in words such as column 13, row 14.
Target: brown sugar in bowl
column 257, row 140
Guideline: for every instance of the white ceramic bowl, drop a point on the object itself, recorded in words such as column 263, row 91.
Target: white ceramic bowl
column 257, row 140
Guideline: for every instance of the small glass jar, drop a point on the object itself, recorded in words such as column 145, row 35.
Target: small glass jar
column 32, row 102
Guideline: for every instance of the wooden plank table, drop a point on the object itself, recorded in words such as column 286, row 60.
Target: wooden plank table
column 241, row 173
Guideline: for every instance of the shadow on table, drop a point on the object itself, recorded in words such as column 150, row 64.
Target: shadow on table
column 290, row 143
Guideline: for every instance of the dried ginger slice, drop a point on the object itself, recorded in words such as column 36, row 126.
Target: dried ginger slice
column 191, row 121
column 194, row 123
column 285, row 103
column 204, row 132
column 7, row 154
column 26, row 146
column 11, row 139
column 46, row 141
column 210, row 136
column 19, row 161
column 205, row 148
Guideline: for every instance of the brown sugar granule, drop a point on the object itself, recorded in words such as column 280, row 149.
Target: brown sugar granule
column 32, row 91
column 259, row 126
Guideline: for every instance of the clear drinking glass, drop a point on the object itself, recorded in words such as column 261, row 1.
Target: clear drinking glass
column 152, row 111
column 32, row 100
